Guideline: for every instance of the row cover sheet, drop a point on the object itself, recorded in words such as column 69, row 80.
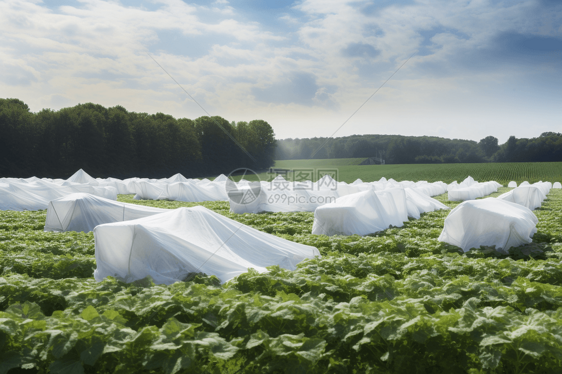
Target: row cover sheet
column 83, row 212
column 489, row 222
column 530, row 196
column 170, row 246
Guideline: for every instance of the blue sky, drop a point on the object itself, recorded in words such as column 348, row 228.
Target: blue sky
column 476, row 67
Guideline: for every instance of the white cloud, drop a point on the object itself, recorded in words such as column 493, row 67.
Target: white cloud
column 332, row 55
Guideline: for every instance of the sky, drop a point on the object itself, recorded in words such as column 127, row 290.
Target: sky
column 461, row 69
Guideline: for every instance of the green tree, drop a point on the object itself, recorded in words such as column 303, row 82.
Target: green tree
column 489, row 145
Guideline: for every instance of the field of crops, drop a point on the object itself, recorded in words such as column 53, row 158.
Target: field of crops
column 395, row 302
column 350, row 170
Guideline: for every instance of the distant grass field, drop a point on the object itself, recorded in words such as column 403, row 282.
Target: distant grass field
column 288, row 164
column 350, row 170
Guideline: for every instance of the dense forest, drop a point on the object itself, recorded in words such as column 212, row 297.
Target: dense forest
column 117, row 143
column 112, row 142
column 397, row 149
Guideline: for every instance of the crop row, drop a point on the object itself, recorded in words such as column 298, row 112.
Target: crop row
column 395, row 302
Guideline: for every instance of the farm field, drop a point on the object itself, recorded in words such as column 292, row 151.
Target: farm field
column 349, row 170
column 395, row 302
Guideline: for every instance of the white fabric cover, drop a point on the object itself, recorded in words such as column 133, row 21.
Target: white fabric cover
column 471, row 191
column 527, row 196
column 361, row 213
column 543, row 186
column 512, row 184
column 169, row 246
column 28, row 194
column 13, row 197
column 489, row 222
column 82, row 177
column 370, row 211
column 185, row 190
column 394, row 203
column 118, row 184
column 557, row 185
column 280, row 195
column 221, row 178
column 419, row 203
column 177, row 178
column 83, row 212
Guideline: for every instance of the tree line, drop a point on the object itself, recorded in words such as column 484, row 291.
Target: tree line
column 112, row 142
column 397, row 149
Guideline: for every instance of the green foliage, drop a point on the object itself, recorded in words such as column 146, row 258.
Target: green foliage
column 116, row 143
column 395, row 302
column 399, row 149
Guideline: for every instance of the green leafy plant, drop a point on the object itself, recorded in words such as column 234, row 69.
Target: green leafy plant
column 398, row 301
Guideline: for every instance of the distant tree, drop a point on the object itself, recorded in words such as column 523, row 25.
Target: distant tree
column 115, row 142
column 262, row 146
column 550, row 133
column 88, row 135
column 337, row 149
column 17, row 136
column 449, row 159
column 511, row 148
column 119, row 141
column 489, row 145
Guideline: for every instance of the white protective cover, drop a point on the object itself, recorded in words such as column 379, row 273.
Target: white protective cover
column 512, row 184
column 35, row 194
column 557, row 185
column 83, row 212
column 180, row 189
column 118, row 184
column 370, row 211
column 394, row 203
column 12, row 197
column 361, row 213
column 177, row 178
column 280, row 195
column 543, row 186
column 489, row 222
column 169, row 246
column 472, row 190
column 418, row 203
column 527, row 196
column 82, row 177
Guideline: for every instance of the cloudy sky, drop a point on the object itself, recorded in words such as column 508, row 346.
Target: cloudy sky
column 475, row 68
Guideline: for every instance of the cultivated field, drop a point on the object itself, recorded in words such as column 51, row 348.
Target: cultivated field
column 350, row 170
column 395, row 302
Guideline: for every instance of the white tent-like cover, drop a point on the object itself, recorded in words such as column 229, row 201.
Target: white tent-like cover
column 530, row 196
column 418, row 203
column 280, row 195
column 83, row 178
column 83, row 212
column 14, row 197
column 489, row 222
column 371, row 211
column 178, row 189
column 361, row 213
column 35, row 193
column 469, row 189
column 170, row 246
